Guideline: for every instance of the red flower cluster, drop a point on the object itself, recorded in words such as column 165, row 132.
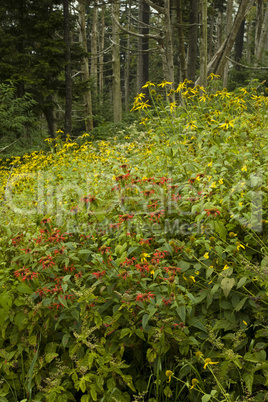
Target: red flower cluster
column 158, row 255
column 46, row 262
column 145, row 241
column 129, row 261
column 212, row 211
column 99, row 274
column 122, row 177
column 143, row 268
column 16, row 240
column 145, row 296
column 25, row 273
column 126, row 217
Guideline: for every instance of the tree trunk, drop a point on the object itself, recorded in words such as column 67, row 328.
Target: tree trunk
column 211, row 30
column 182, row 60
column 169, row 43
column 262, row 38
column 203, row 44
column 101, row 50
column 85, row 68
column 259, row 21
column 227, row 45
column 249, row 41
column 68, row 70
column 49, row 115
column 94, row 49
column 239, row 43
column 143, row 46
column 229, row 21
column 127, row 60
column 116, row 66
column 192, row 41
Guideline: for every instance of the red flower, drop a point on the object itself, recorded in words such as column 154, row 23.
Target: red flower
column 99, row 274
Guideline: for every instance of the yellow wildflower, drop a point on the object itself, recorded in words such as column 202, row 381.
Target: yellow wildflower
column 172, row 106
column 206, row 255
column 194, row 383
column 208, row 361
column 244, row 168
column 239, row 245
column 169, row 374
column 143, row 257
column 181, row 86
column 198, row 354
column 164, row 83
column 148, row 84
column 212, row 75
column 210, row 164
column 225, row 267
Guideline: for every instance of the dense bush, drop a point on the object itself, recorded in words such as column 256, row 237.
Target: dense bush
column 137, row 271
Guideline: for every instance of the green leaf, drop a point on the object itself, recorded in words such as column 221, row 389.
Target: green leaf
column 248, row 377
column 139, row 332
column 181, row 310
column 85, row 398
column 227, row 284
column 62, row 300
column 6, row 301
column 65, row 339
column 220, row 229
column 125, row 332
column 241, row 282
column 93, row 392
column 151, row 355
column 145, row 320
column 20, row 320
column 76, row 315
column 206, row 398
column 50, row 356
column 91, row 358
column 24, row 288
column 241, row 304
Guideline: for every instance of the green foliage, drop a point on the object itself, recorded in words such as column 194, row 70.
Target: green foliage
column 16, row 116
column 136, row 270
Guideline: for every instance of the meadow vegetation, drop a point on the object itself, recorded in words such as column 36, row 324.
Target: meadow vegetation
column 136, row 270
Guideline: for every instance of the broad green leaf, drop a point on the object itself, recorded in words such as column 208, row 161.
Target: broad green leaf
column 241, row 303
column 50, row 356
column 24, row 288
column 145, row 320
column 241, row 282
column 65, row 339
column 20, row 320
column 93, row 392
column 125, row 332
column 248, row 377
column 206, row 398
column 227, row 284
column 6, row 301
column 181, row 310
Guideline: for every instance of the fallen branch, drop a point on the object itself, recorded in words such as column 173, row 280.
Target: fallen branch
column 243, row 65
column 8, row 145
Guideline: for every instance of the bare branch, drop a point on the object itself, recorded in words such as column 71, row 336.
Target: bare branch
column 1, row 150
column 243, row 65
column 158, row 8
column 134, row 50
column 159, row 38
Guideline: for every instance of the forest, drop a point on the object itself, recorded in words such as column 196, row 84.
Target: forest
column 133, row 201
column 76, row 65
